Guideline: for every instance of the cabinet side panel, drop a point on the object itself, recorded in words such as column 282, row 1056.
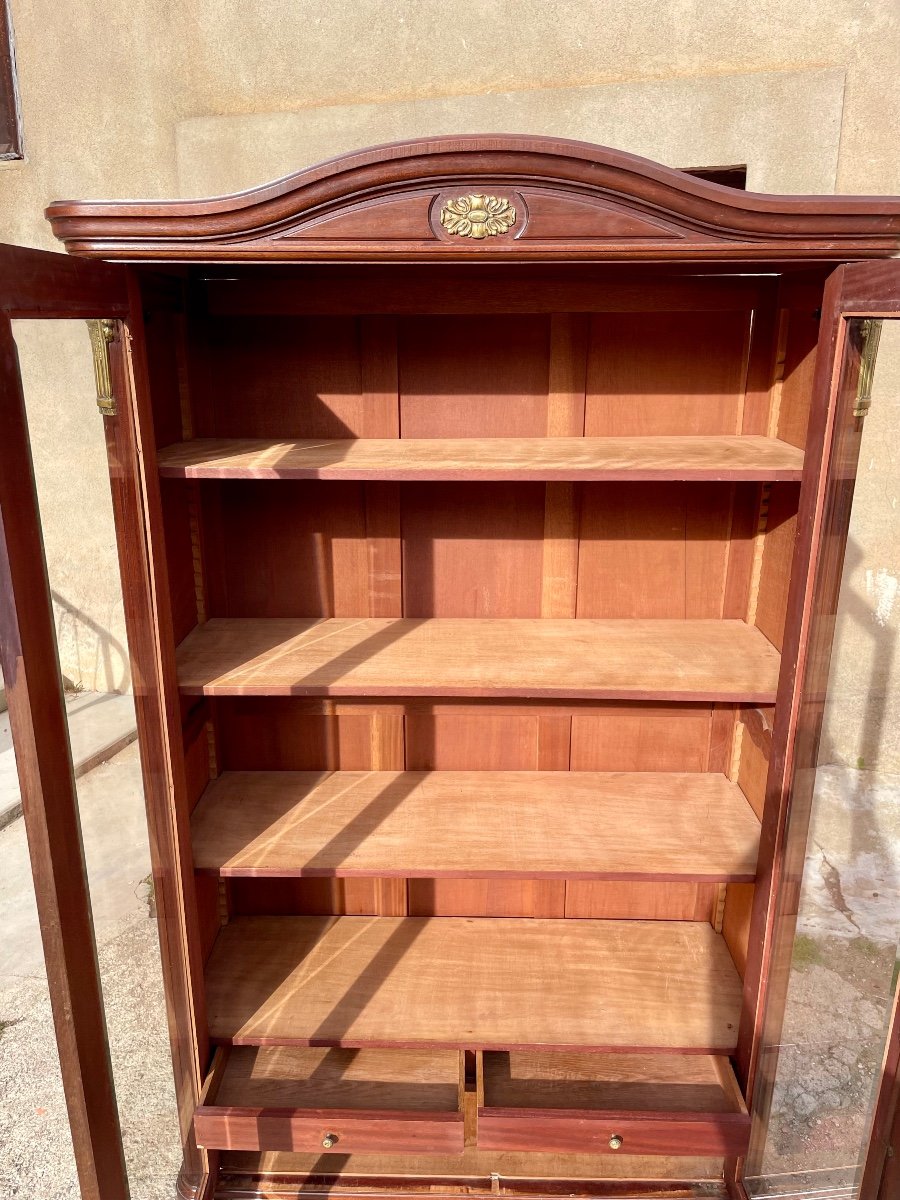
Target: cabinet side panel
column 777, row 558
column 802, row 336
column 151, row 635
column 736, row 922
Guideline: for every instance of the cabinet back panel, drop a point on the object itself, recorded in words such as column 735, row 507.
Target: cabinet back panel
column 474, row 376
column 641, row 901
column 312, row 548
column 642, row 738
column 275, row 733
column 666, row 373
column 285, row 733
column 472, row 550
column 281, row 377
column 295, row 549
column 655, row 550
column 491, row 375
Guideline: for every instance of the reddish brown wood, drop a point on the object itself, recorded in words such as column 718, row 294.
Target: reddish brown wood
column 41, row 739
column 590, row 1132
column 881, row 1172
column 38, row 284
column 825, row 503
column 135, row 497
column 406, row 330
column 232, row 1128
column 573, row 200
column 339, row 289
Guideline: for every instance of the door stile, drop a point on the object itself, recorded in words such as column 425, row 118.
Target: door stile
column 41, row 739
column 772, row 871
column 865, row 289
column 139, row 535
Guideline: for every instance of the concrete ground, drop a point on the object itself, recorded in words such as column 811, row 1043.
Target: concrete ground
column 100, row 725
column 35, row 1146
column 843, row 975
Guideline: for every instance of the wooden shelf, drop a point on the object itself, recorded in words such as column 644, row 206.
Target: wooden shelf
column 287, row 1097
column 691, row 457
column 609, row 1082
column 301, row 1077
column 497, row 983
column 468, row 824
column 711, row 660
column 650, row 1104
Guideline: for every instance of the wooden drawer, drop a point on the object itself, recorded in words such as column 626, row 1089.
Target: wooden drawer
column 606, row 1103
column 332, row 1101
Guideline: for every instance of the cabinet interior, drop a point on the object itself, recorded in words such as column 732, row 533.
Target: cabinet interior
column 506, row 708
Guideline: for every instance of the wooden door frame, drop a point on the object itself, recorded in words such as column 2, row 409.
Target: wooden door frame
column 33, row 286
column 881, row 1173
column 38, row 284
column 861, row 289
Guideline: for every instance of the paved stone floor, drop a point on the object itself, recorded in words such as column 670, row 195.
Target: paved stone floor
column 35, row 1146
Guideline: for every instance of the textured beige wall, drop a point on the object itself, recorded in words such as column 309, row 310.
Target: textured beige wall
column 160, row 99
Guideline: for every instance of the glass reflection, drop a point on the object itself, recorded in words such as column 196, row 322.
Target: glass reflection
column 823, row 1076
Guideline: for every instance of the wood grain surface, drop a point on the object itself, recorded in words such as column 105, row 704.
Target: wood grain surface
column 590, row 825
column 723, row 457
column 473, row 982
column 618, row 1082
column 589, row 659
column 306, row 1077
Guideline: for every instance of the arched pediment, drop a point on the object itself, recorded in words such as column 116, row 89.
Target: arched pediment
column 489, row 197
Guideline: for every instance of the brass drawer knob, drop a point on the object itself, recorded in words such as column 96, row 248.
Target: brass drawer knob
column 329, row 1140
column 615, row 1142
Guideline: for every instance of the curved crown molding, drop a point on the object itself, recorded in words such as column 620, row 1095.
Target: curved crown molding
column 545, row 198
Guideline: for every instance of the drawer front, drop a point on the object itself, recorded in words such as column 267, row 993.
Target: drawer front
column 701, row 1134
column 324, row 1131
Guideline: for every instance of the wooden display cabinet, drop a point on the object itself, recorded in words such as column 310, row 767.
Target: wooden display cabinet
column 476, row 498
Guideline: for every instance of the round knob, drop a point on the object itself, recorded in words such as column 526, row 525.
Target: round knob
column 615, row 1142
column 329, row 1140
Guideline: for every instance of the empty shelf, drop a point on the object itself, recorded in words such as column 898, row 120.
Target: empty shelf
column 713, row 660
column 576, row 825
column 690, row 457
column 286, row 1097
column 497, row 983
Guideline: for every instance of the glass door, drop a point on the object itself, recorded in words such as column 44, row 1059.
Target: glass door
column 826, row 1073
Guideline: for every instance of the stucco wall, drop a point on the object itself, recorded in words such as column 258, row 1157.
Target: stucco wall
column 159, row 99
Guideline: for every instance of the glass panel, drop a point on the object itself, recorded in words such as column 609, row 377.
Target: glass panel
column 819, row 1083
column 69, row 452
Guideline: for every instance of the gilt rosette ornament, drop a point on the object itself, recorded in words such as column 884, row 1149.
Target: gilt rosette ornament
column 478, row 216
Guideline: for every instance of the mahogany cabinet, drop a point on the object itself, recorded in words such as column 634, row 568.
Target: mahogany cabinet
column 476, row 498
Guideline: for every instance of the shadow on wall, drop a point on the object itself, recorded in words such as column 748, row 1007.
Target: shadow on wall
column 855, row 613
column 98, row 654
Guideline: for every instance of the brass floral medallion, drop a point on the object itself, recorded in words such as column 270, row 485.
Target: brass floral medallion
column 478, row 216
